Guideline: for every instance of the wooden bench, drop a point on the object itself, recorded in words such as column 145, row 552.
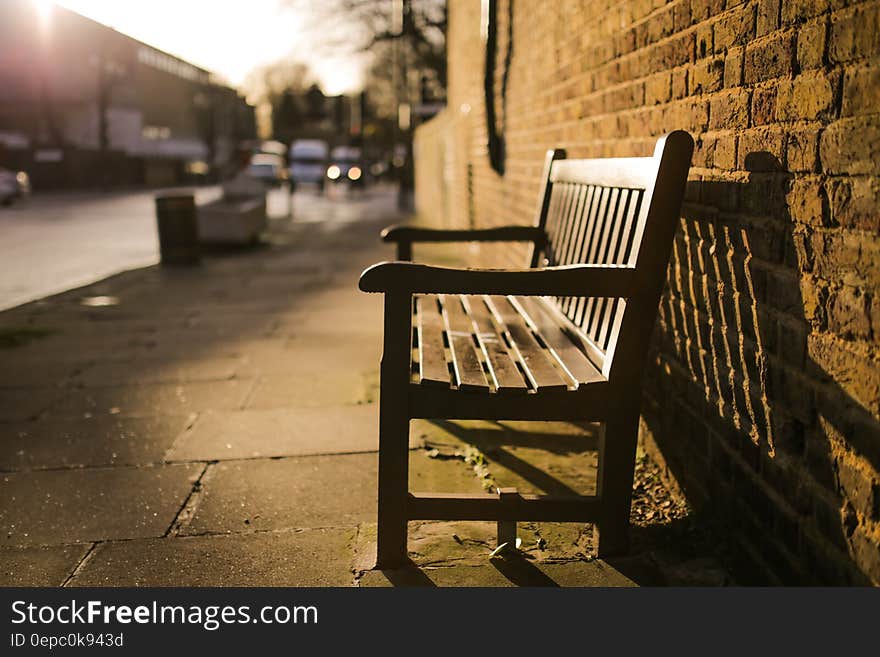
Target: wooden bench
column 564, row 339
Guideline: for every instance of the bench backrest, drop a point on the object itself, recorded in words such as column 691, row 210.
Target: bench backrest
column 617, row 211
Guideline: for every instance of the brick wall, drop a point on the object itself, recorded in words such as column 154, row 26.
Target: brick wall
column 766, row 364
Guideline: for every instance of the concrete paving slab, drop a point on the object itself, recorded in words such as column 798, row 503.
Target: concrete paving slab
column 18, row 372
column 228, row 435
column 538, row 471
column 434, row 543
column 557, row 458
column 183, row 369
column 93, row 345
column 151, row 399
column 335, row 349
column 223, row 322
column 73, row 506
column 343, row 314
column 442, row 542
column 18, row 404
column 547, row 541
column 39, row 566
column 503, row 573
column 314, row 388
column 316, row 557
column 561, row 437
column 314, row 491
column 431, row 475
column 96, row 441
column 321, row 355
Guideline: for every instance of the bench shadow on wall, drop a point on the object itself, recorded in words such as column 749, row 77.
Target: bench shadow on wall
column 737, row 328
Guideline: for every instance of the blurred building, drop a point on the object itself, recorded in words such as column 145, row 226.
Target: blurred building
column 82, row 104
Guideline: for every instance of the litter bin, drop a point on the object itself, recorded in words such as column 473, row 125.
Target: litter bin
column 178, row 229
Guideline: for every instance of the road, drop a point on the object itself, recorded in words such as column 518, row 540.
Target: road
column 55, row 242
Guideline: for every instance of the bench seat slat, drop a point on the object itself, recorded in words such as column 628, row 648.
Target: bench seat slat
column 467, row 367
column 502, row 366
column 536, row 362
column 560, row 345
column 433, row 369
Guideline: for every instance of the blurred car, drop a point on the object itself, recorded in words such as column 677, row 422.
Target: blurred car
column 308, row 161
column 346, row 165
column 268, row 169
column 14, row 185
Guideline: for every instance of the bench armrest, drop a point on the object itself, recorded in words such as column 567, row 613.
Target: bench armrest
column 497, row 234
column 405, row 236
column 567, row 280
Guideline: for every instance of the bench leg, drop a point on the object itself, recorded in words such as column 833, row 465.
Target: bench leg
column 617, row 453
column 394, row 434
column 393, row 490
column 506, row 529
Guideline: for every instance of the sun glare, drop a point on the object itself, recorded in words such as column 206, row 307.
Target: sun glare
column 44, row 8
column 239, row 37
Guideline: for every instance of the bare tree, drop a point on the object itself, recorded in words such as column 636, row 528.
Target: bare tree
column 269, row 82
column 272, row 87
column 419, row 26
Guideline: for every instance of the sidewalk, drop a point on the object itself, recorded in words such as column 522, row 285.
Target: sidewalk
column 217, row 427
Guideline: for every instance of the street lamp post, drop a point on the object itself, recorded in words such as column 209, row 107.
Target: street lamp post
column 402, row 28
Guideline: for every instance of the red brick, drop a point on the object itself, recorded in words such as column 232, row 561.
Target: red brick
column 800, row 10
column 851, row 146
column 658, row 88
column 679, row 83
column 848, row 313
column 707, row 75
column 854, row 202
column 768, row 17
column 806, row 202
column 810, row 96
column 858, row 483
column 853, row 370
column 736, row 28
column 681, row 15
column 802, row 150
column 671, row 53
column 815, row 295
column 703, row 9
column 861, row 90
column 703, row 41
column 769, row 141
column 769, row 58
column 854, row 33
column 866, row 549
column 811, row 45
column 729, row 110
column 733, row 67
column 764, row 105
column 725, row 152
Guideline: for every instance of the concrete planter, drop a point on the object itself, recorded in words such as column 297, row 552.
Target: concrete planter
column 237, row 218
column 232, row 220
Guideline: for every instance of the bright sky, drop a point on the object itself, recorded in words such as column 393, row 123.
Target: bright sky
column 229, row 37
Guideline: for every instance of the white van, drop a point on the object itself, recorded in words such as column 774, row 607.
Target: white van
column 308, row 161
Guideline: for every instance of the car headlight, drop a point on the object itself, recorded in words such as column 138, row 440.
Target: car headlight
column 333, row 172
column 354, row 173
